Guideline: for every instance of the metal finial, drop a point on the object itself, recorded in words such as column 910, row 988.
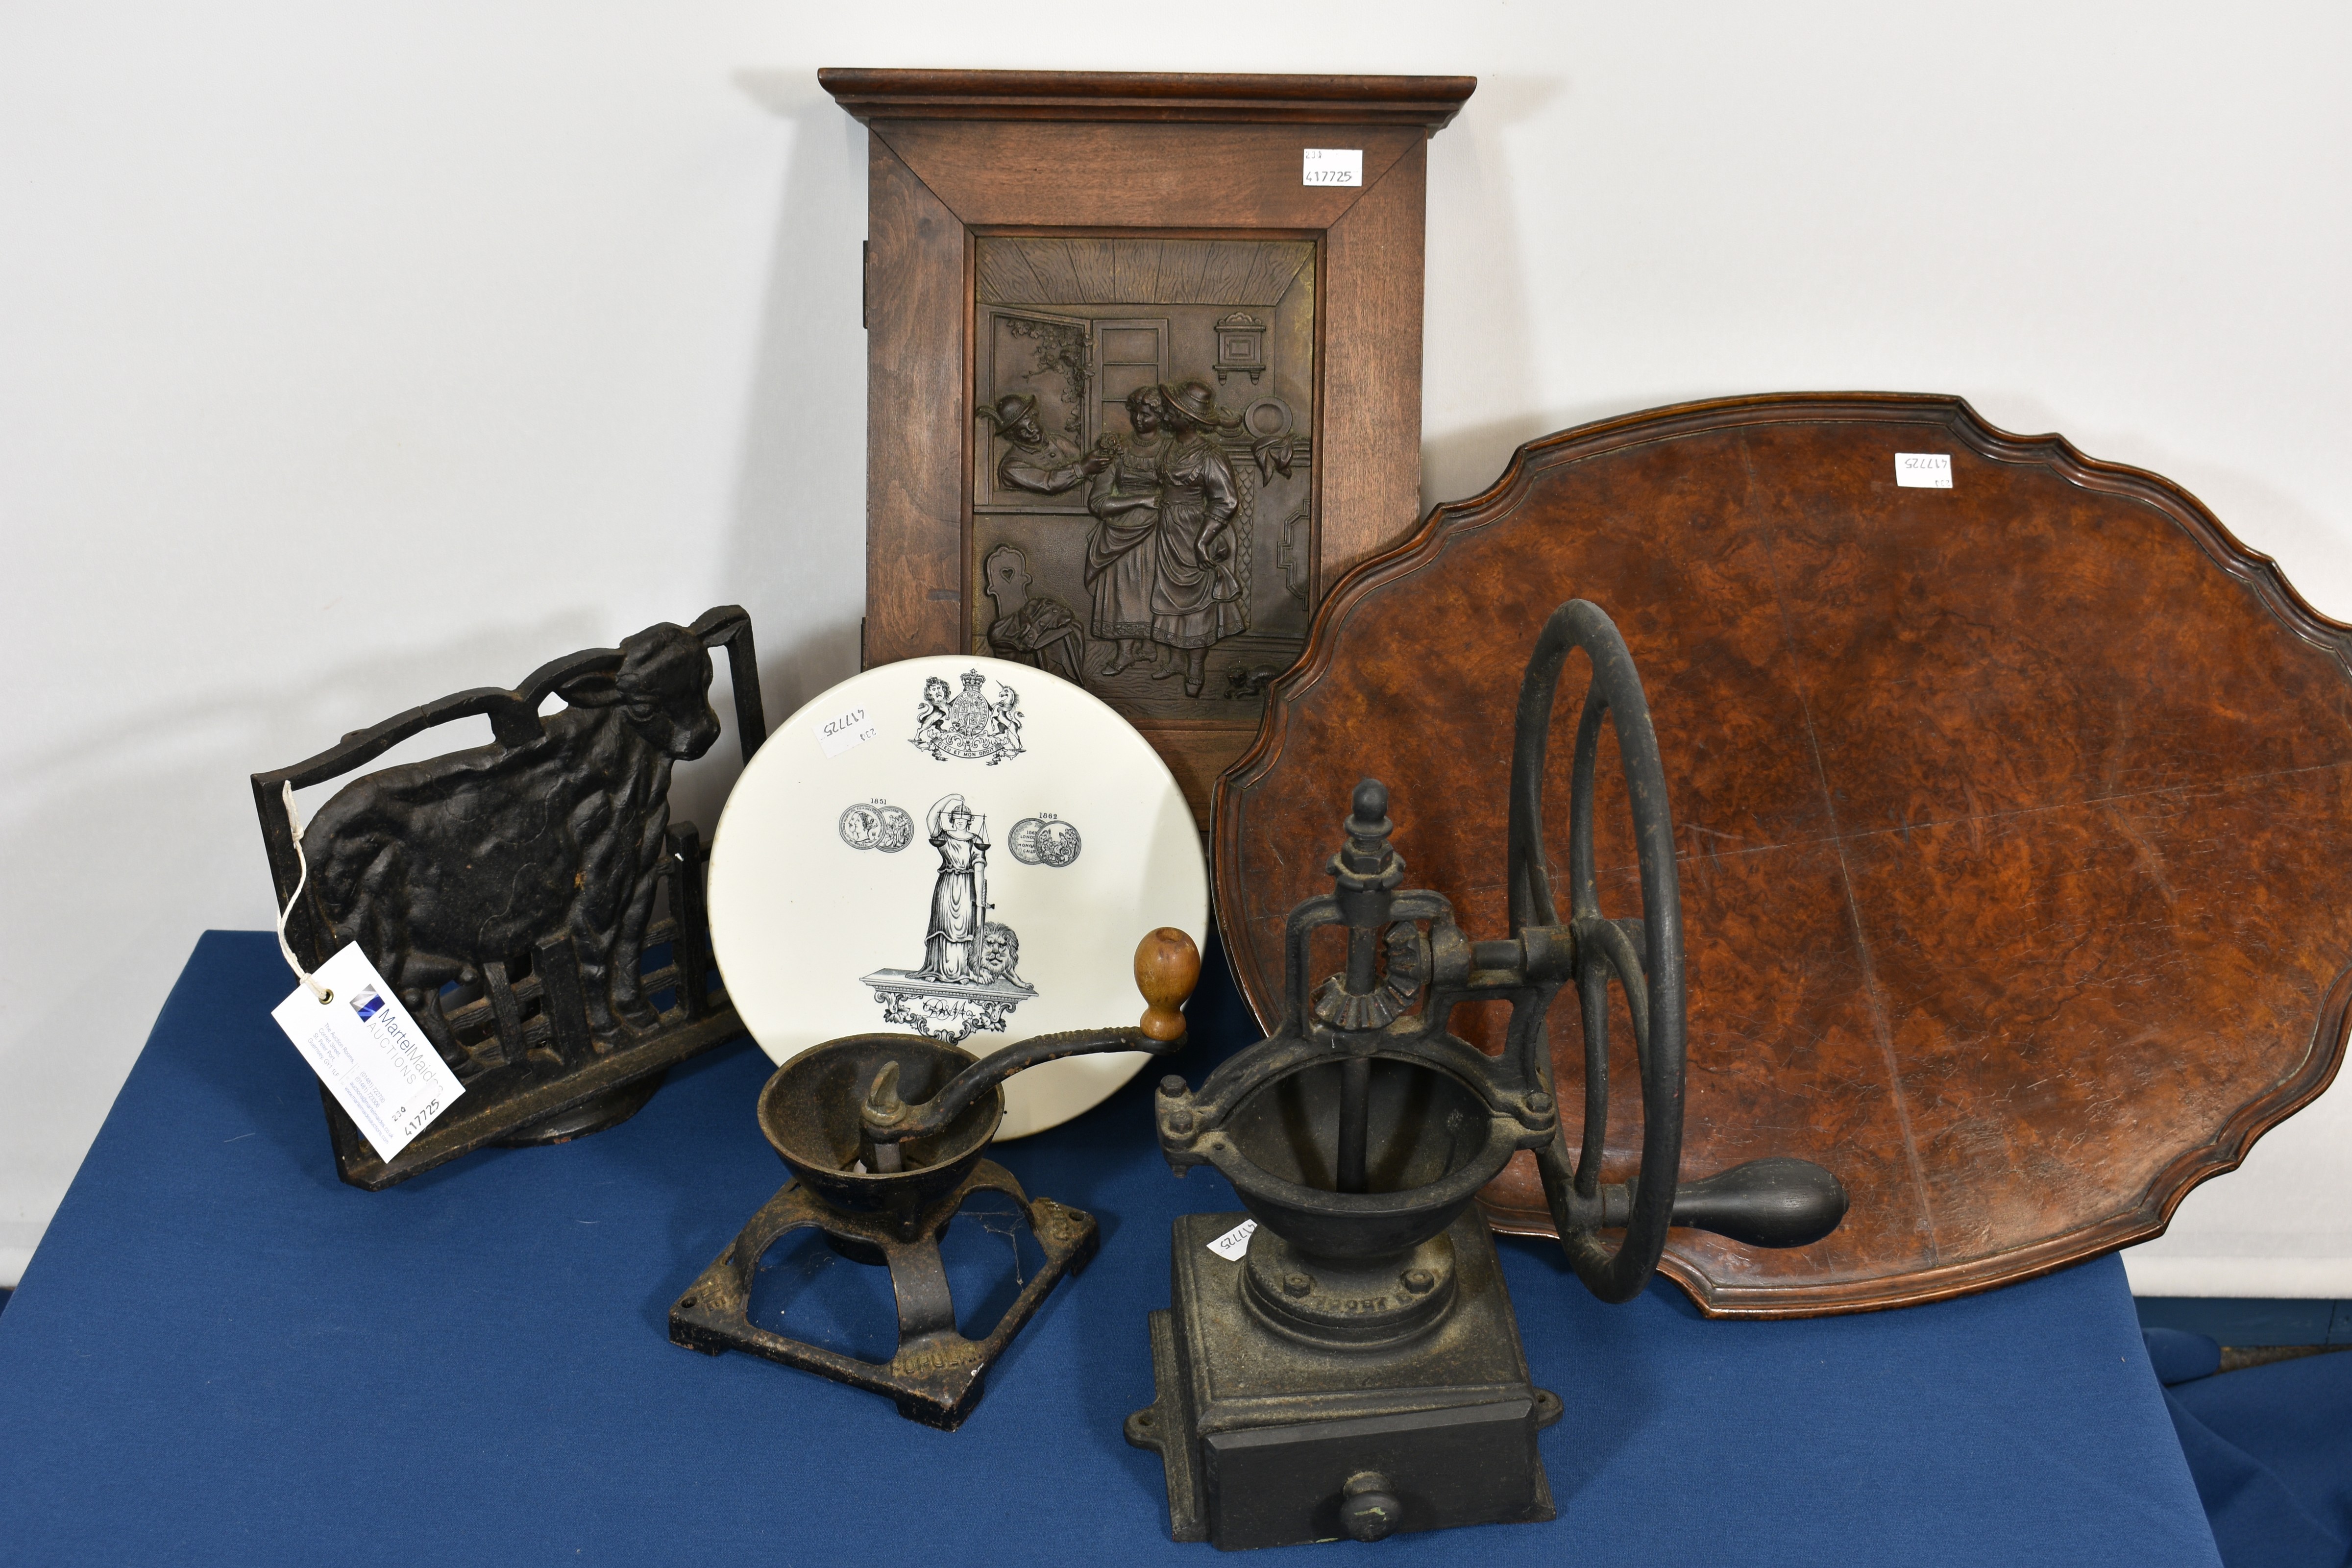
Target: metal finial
column 1367, row 861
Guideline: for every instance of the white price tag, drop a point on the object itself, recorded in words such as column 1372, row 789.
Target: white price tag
column 1334, row 166
column 369, row 1052
column 843, row 730
column 1923, row 471
column 1234, row 1242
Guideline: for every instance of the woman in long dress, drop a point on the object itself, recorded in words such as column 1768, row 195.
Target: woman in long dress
column 1125, row 499
column 1196, row 594
column 951, row 947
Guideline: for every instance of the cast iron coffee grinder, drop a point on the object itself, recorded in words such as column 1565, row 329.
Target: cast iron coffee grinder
column 884, row 1135
column 1357, row 1371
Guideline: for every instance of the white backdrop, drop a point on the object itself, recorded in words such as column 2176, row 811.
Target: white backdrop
column 353, row 354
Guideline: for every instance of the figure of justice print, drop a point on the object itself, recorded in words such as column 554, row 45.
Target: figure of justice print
column 969, row 981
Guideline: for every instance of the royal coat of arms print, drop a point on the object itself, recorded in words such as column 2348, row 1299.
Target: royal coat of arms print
column 967, row 725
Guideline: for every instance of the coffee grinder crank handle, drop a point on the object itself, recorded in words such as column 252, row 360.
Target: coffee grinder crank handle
column 1773, row 1202
column 1167, row 967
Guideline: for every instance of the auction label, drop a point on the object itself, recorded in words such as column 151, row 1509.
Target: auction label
column 369, row 1052
column 1923, row 471
column 1334, row 166
column 1234, row 1242
column 843, row 730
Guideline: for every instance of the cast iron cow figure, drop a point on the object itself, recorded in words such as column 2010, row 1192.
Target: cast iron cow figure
column 437, row 868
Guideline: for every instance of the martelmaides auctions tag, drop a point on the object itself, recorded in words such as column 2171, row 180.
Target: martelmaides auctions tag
column 368, row 1051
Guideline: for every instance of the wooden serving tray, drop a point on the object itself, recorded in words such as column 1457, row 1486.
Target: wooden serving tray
column 2015, row 819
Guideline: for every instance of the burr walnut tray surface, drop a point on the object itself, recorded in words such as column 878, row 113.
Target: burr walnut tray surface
column 2015, row 819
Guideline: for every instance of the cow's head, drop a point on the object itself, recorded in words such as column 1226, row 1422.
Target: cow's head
column 662, row 686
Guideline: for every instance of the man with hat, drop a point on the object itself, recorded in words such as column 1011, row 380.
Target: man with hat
column 1032, row 460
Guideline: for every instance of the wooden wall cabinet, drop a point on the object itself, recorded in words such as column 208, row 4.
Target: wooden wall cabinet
column 1042, row 245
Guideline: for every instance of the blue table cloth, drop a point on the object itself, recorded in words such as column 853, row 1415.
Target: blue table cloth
column 222, row 1354
column 2271, row 1449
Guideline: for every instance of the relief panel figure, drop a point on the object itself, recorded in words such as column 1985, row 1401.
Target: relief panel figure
column 1125, row 500
column 1033, row 461
column 1112, row 479
column 1196, row 591
column 1030, row 628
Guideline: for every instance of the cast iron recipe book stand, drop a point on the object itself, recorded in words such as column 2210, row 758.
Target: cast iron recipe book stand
column 508, row 891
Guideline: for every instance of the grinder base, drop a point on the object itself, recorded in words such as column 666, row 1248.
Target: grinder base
column 937, row 1376
column 1271, row 1438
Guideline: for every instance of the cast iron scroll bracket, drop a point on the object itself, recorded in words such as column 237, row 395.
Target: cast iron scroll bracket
column 550, row 1041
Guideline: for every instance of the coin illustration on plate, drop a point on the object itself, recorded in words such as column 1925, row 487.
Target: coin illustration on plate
column 1043, row 840
column 877, row 825
column 861, row 827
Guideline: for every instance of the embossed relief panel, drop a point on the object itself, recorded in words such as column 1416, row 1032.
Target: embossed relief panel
column 1144, row 466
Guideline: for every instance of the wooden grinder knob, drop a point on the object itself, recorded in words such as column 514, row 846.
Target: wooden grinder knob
column 1167, row 967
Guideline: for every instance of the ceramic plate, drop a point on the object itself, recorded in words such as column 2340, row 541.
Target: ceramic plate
column 965, row 848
